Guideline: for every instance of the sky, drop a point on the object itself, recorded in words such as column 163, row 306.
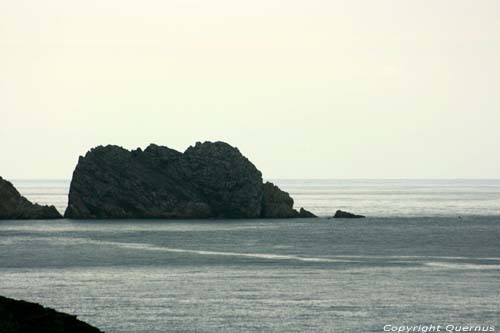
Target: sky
column 304, row 88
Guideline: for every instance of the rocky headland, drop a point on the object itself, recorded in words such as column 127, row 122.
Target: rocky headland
column 208, row 180
column 25, row 317
column 14, row 206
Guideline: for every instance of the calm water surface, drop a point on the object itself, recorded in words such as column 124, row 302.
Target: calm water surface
column 305, row 275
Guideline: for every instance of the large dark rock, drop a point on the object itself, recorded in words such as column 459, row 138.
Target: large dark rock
column 14, row 206
column 227, row 181
column 25, row 317
column 339, row 214
column 208, row 180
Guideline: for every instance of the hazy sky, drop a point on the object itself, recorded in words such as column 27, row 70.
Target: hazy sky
column 305, row 89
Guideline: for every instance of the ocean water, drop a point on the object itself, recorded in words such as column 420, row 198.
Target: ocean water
column 428, row 253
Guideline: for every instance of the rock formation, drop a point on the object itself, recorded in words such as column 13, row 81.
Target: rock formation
column 278, row 204
column 208, row 180
column 14, row 206
column 303, row 213
column 25, row 317
column 339, row 214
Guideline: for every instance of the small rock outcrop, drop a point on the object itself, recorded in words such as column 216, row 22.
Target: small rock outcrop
column 339, row 214
column 25, row 317
column 279, row 204
column 208, row 180
column 14, row 206
column 303, row 213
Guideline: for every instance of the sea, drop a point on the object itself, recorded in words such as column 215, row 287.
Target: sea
column 428, row 254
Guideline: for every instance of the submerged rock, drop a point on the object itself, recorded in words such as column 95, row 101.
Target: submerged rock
column 208, row 180
column 339, row 214
column 14, row 206
column 25, row 317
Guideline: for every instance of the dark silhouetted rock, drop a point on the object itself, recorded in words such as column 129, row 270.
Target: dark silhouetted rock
column 278, row 204
column 339, row 214
column 303, row 213
column 25, row 317
column 208, row 180
column 14, row 206
column 227, row 181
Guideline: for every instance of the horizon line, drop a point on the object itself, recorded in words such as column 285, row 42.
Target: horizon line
column 298, row 178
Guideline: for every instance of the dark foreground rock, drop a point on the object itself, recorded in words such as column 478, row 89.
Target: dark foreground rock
column 25, row 317
column 339, row 214
column 208, row 180
column 14, row 206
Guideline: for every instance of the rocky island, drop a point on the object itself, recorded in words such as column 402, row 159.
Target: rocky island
column 14, row 206
column 208, row 180
column 26, row 317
